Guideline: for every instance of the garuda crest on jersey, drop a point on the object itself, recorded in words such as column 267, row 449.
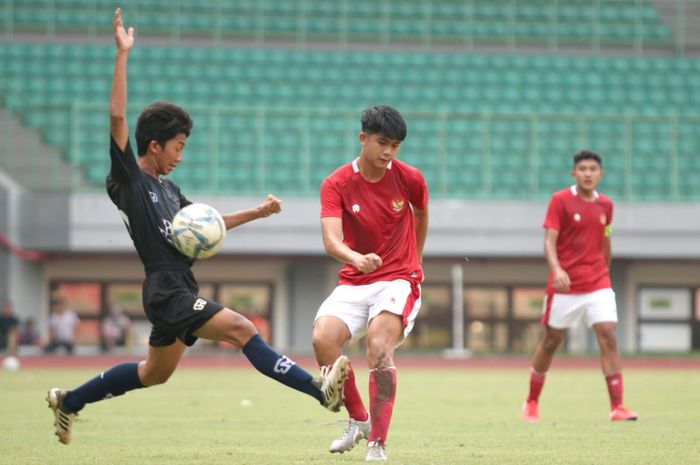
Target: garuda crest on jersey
column 397, row 205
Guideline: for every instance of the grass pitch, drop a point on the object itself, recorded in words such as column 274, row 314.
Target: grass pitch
column 219, row 416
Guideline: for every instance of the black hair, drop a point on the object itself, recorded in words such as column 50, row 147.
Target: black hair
column 384, row 120
column 161, row 121
column 587, row 155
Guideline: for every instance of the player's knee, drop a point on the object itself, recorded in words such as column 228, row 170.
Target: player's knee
column 320, row 344
column 379, row 355
column 608, row 341
column 240, row 331
column 551, row 343
column 327, row 346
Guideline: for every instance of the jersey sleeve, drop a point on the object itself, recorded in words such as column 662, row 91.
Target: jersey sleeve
column 124, row 168
column 418, row 190
column 553, row 218
column 331, row 200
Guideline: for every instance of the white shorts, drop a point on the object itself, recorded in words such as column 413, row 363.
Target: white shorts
column 357, row 305
column 566, row 310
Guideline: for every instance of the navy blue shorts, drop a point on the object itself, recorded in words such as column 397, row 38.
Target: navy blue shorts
column 173, row 307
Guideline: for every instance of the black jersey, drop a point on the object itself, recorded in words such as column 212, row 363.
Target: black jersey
column 147, row 206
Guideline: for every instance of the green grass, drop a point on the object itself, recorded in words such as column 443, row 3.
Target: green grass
column 441, row 417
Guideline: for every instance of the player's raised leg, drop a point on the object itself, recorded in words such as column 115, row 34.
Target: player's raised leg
column 156, row 369
column 551, row 340
column 612, row 370
column 329, row 336
column 227, row 325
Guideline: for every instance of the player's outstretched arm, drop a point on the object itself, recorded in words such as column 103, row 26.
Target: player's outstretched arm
column 271, row 205
column 332, row 231
column 117, row 103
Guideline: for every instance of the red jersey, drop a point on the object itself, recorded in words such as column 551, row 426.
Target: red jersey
column 377, row 218
column 581, row 225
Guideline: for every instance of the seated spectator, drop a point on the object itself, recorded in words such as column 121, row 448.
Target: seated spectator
column 115, row 328
column 28, row 334
column 62, row 325
column 8, row 329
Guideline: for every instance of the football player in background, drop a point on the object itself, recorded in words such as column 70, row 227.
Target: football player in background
column 578, row 250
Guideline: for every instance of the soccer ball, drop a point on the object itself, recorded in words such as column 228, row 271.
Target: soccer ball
column 198, row 231
column 11, row 363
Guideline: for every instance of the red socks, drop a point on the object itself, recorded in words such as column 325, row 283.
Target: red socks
column 614, row 389
column 382, row 393
column 536, row 384
column 352, row 398
column 614, row 383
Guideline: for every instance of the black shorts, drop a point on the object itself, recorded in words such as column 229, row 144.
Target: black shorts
column 173, row 307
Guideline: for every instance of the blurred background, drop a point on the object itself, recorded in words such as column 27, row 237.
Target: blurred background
column 498, row 95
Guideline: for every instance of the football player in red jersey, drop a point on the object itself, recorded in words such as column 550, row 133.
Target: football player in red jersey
column 578, row 251
column 374, row 219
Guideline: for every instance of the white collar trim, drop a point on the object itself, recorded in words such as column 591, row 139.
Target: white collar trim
column 356, row 167
column 574, row 191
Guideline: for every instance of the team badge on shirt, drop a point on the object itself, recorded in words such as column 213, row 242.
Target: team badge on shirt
column 577, row 217
column 154, row 197
column 356, row 208
column 397, row 205
column 603, row 219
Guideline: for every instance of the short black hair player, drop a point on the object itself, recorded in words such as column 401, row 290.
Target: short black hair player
column 148, row 202
column 578, row 249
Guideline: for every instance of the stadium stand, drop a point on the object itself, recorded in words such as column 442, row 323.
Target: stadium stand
column 517, row 112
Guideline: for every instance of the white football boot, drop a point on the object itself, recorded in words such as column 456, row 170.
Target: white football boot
column 375, row 452
column 352, row 434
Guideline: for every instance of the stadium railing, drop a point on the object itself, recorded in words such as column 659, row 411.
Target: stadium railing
column 494, row 156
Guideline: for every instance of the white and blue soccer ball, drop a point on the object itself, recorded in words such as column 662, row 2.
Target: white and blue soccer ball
column 198, row 231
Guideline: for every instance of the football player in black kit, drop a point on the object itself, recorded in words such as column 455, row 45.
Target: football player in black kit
column 147, row 203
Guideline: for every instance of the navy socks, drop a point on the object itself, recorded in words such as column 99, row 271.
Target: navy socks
column 279, row 367
column 124, row 377
column 111, row 383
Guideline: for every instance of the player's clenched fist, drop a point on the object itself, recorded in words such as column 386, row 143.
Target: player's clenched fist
column 368, row 263
column 271, row 205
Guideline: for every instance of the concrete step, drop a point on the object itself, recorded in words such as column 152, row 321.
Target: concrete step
column 32, row 162
column 689, row 15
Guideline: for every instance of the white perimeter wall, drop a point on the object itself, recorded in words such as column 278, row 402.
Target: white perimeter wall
column 628, row 276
